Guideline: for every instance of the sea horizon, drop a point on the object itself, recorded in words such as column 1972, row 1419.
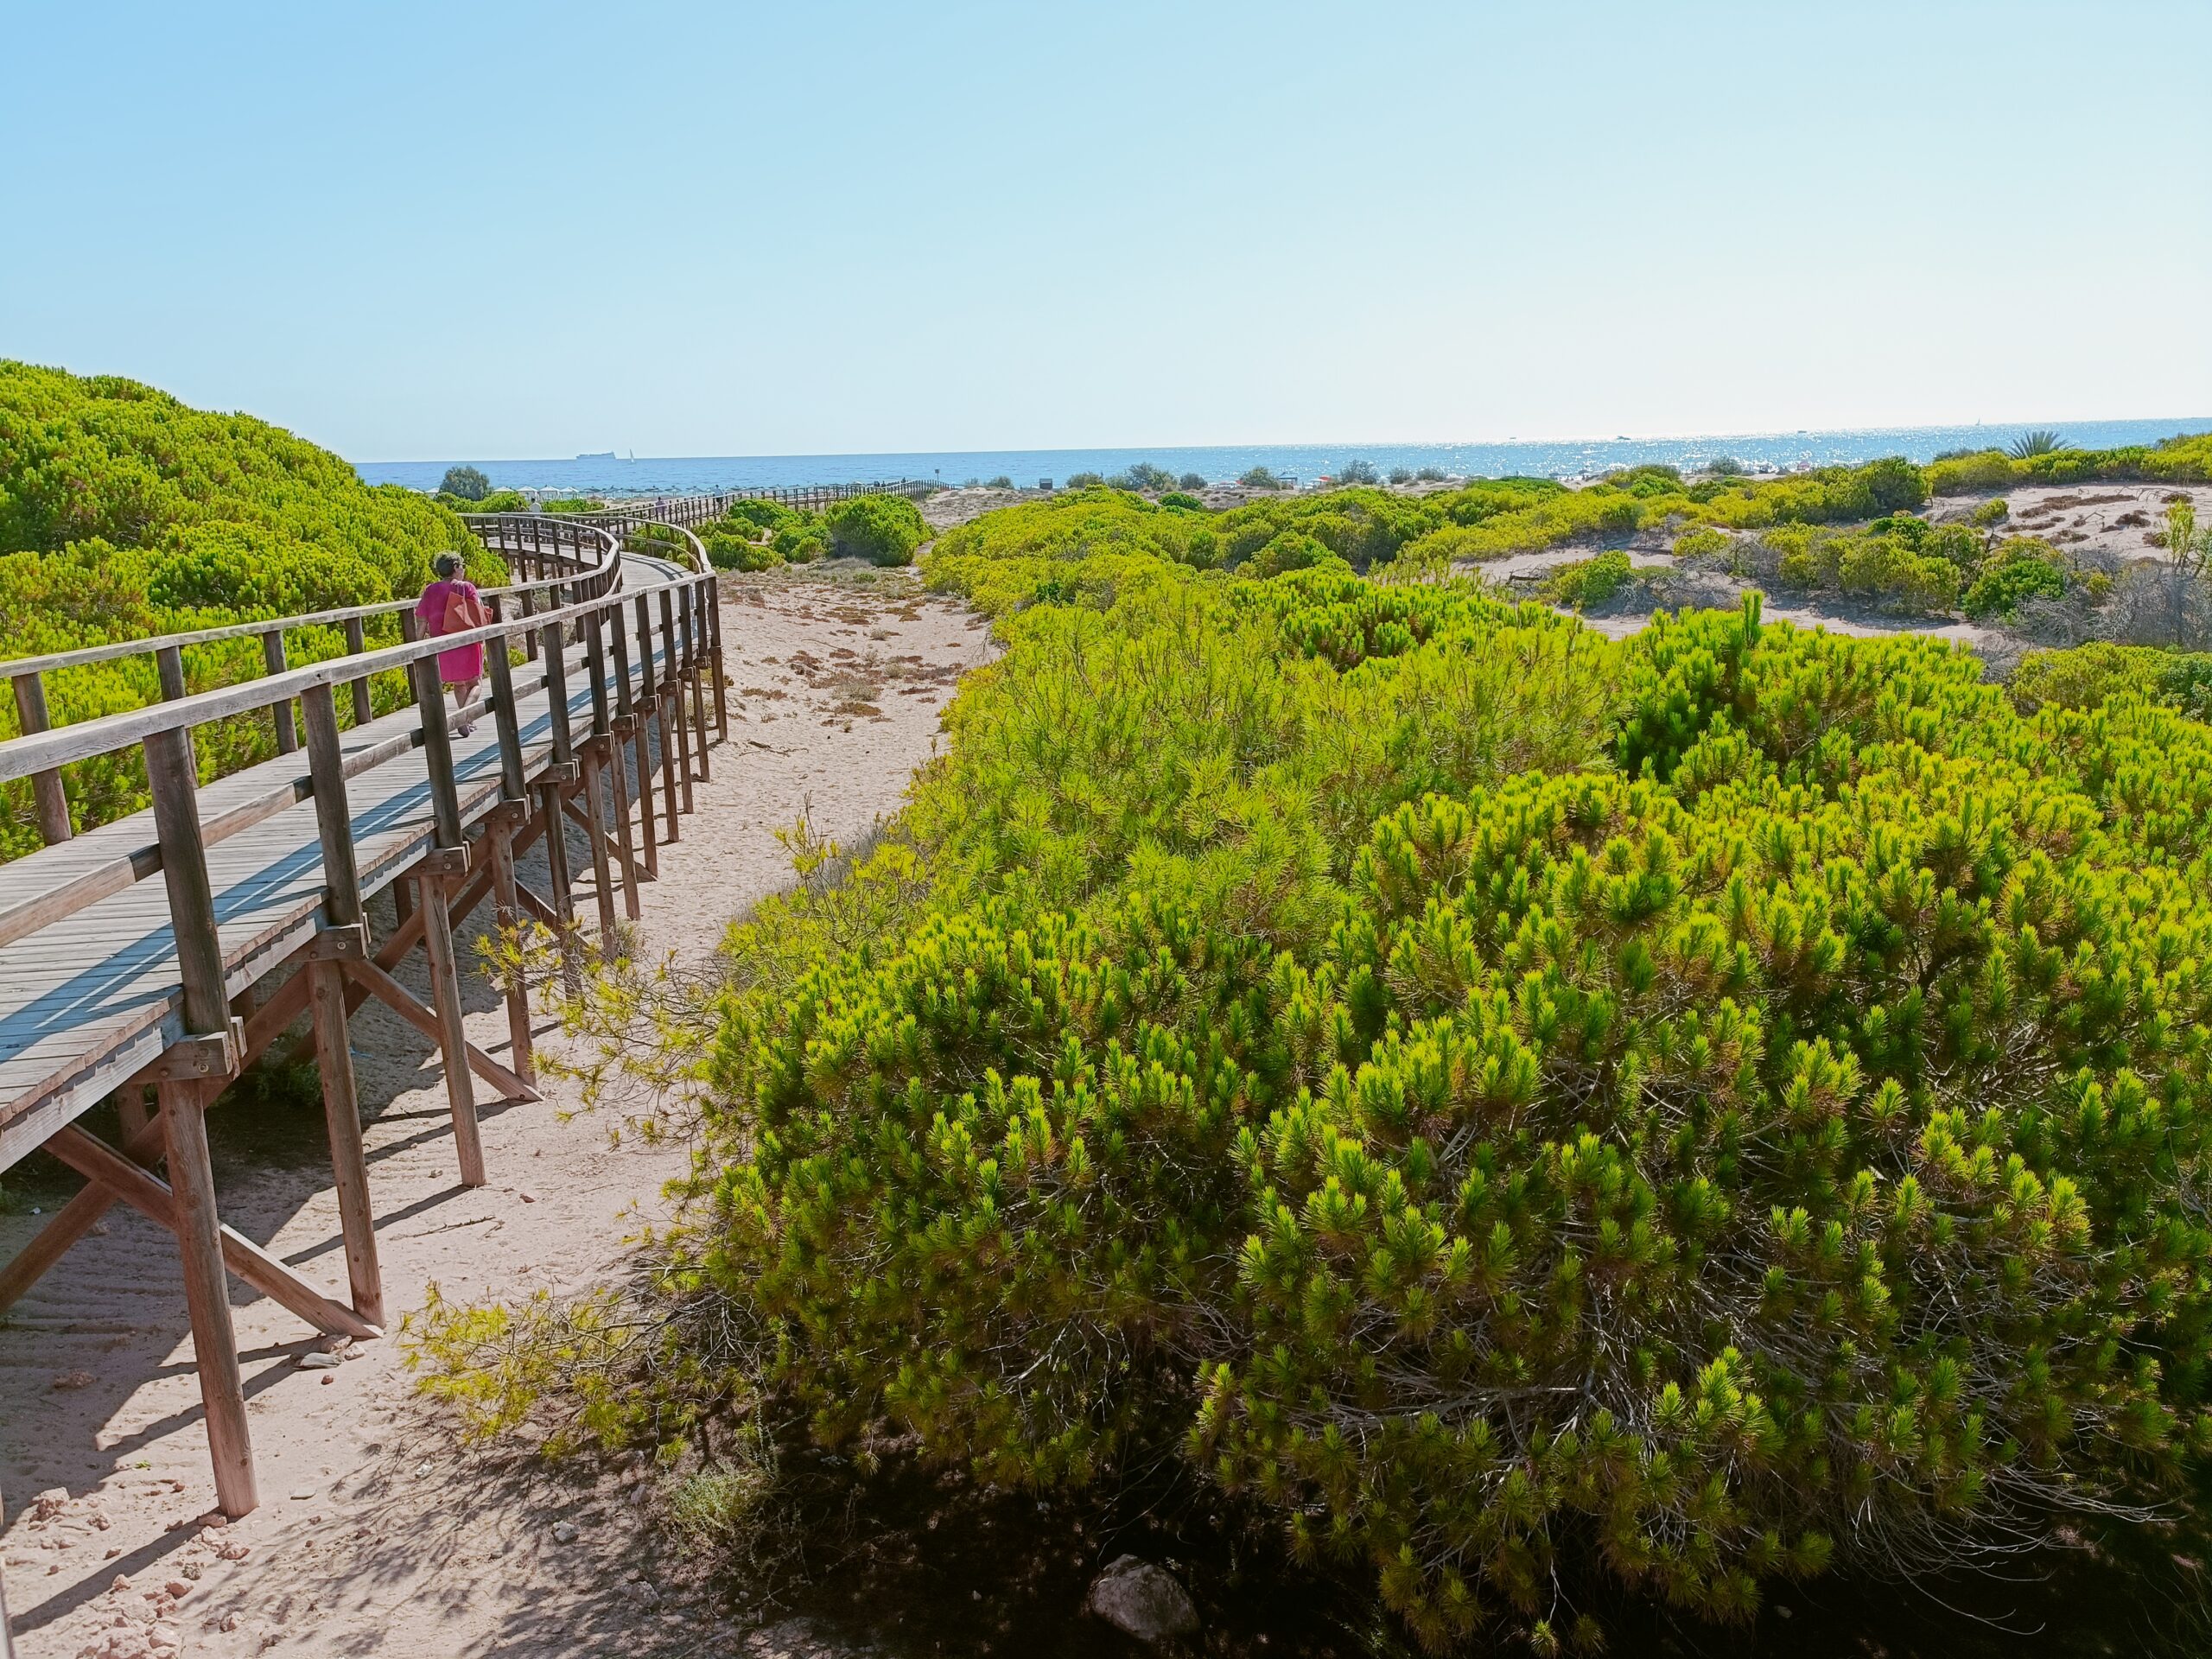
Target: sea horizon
column 1539, row 458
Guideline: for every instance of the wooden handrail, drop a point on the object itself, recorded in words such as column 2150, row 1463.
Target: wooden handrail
column 18, row 667
column 21, row 757
column 682, row 654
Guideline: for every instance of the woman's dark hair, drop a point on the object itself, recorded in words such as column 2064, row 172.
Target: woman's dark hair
column 446, row 565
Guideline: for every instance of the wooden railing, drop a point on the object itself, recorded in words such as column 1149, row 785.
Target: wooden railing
column 555, row 555
column 579, row 601
column 692, row 510
column 644, row 635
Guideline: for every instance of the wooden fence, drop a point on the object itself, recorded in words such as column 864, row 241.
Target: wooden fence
column 245, row 944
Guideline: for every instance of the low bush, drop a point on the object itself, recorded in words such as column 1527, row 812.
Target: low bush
column 882, row 529
column 1588, row 583
column 2020, row 569
column 726, row 552
column 771, row 516
column 1146, row 477
column 802, row 541
column 2086, row 677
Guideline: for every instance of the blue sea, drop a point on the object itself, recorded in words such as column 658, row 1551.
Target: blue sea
column 1570, row 458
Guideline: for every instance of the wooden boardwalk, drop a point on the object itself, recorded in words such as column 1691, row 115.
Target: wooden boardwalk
column 113, row 983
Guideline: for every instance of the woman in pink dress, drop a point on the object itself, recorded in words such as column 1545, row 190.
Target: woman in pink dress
column 445, row 607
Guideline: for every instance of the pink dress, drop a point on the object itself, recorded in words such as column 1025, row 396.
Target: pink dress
column 463, row 663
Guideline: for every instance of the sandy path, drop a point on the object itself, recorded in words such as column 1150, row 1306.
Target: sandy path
column 374, row 1536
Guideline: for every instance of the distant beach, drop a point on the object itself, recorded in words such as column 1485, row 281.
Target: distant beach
column 607, row 474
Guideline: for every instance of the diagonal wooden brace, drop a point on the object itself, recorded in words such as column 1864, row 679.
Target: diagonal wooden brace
column 150, row 1195
column 395, row 995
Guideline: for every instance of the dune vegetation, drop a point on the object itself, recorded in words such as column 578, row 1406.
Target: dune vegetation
column 125, row 513
column 1532, row 1117
column 758, row 535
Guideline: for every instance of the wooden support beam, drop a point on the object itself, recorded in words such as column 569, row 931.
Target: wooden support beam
column 695, row 663
column 576, row 816
column 596, row 837
column 445, row 997
column 157, row 1200
column 648, row 701
column 618, row 789
column 341, row 1111
column 498, row 842
column 551, row 811
column 541, row 910
column 395, row 996
column 191, row 1212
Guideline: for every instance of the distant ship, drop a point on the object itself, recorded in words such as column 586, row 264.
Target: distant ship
column 600, row 455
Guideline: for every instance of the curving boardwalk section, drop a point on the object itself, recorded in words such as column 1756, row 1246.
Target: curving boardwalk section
column 605, row 693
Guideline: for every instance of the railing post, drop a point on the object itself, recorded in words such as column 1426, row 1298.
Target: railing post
column 550, row 790
column 341, row 1113
column 714, row 603
column 678, row 719
column 272, row 654
column 433, row 877
column 514, row 782
column 438, row 751
column 173, row 776
column 341, row 1105
column 47, row 791
column 694, row 672
column 625, row 735
column 594, row 748
column 356, row 643
column 333, row 819
column 168, row 661
column 648, row 699
column 498, row 843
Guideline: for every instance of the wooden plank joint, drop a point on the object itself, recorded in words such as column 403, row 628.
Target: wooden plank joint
column 451, row 863
column 346, row 944
column 195, row 1060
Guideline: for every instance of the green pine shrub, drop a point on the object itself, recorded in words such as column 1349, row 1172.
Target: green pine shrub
column 802, row 541
column 882, row 529
column 125, row 513
column 727, row 552
column 1528, row 1111
column 771, row 516
column 1583, row 583
column 2088, row 676
column 2019, row 568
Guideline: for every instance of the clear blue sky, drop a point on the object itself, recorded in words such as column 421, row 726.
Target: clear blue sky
column 491, row 230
